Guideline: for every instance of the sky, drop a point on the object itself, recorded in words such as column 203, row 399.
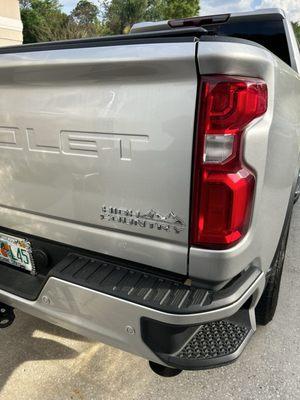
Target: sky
column 223, row 6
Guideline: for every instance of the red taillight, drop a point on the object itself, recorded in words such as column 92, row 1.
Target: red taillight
column 223, row 186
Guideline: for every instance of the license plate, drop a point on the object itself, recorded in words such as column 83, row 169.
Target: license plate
column 17, row 252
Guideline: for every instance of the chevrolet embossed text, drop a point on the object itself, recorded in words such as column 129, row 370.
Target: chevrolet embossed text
column 76, row 143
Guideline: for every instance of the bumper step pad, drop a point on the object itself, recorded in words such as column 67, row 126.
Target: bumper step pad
column 210, row 345
column 213, row 340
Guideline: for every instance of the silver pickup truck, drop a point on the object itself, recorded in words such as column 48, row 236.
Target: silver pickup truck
column 148, row 182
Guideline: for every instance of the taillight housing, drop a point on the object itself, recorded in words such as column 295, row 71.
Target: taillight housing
column 223, row 186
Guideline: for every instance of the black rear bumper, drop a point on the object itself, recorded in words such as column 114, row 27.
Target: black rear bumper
column 181, row 323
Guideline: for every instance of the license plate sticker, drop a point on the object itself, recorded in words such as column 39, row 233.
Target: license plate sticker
column 17, row 252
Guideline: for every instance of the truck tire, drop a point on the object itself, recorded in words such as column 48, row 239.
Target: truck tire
column 267, row 304
column 297, row 190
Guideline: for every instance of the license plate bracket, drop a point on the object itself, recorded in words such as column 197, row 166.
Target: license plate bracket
column 17, row 252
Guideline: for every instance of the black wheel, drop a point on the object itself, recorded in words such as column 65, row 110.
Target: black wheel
column 7, row 316
column 161, row 370
column 267, row 304
column 297, row 190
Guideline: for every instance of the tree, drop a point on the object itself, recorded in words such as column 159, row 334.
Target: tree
column 170, row 9
column 42, row 20
column 85, row 13
column 84, row 20
column 120, row 15
column 296, row 26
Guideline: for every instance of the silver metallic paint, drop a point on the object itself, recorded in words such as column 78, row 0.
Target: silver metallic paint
column 51, row 187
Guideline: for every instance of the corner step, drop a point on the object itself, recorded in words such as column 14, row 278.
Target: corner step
column 213, row 344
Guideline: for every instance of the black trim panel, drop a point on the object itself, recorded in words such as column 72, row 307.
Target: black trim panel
column 150, row 289
column 209, row 345
column 168, row 36
column 122, row 281
column 137, row 283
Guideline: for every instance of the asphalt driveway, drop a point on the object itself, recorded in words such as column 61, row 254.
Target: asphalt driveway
column 42, row 362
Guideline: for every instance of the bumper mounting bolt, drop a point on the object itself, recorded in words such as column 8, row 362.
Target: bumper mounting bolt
column 46, row 300
column 130, row 330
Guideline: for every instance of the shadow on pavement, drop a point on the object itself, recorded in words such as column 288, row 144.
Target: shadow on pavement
column 18, row 344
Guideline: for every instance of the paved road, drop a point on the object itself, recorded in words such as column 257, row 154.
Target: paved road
column 42, row 362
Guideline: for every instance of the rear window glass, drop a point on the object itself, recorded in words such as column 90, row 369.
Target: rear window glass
column 270, row 34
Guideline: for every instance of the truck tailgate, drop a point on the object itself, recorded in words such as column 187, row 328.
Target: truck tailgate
column 96, row 148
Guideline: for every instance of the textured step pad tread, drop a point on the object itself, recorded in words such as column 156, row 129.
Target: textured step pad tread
column 215, row 339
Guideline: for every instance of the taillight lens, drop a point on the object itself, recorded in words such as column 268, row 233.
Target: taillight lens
column 223, row 186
